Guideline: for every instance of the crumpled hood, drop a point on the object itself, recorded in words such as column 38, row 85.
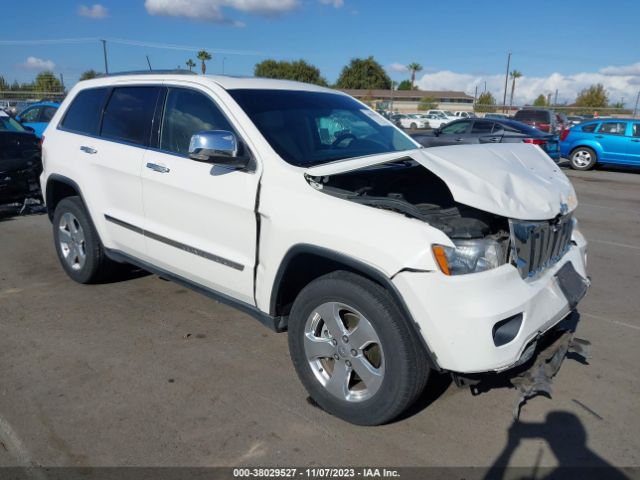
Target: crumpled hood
column 509, row 179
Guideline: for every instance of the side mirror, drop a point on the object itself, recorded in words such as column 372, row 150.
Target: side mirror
column 219, row 147
column 437, row 131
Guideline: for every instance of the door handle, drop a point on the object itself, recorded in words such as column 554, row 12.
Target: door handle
column 599, row 136
column 458, row 139
column 88, row 150
column 157, row 168
column 635, row 139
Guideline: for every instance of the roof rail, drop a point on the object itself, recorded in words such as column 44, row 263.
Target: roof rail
column 148, row 72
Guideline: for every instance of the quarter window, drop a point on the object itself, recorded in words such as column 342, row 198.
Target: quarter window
column 129, row 114
column 613, row 128
column 590, row 128
column 83, row 116
column 187, row 112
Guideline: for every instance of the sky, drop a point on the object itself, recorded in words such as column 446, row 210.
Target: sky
column 565, row 45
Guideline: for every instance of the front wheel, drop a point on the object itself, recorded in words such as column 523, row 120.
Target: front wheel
column 413, row 126
column 354, row 350
column 583, row 158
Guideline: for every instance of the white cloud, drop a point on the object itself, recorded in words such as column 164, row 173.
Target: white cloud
column 335, row 3
column 35, row 63
column 94, row 11
column 398, row 67
column 528, row 88
column 212, row 10
column 633, row 69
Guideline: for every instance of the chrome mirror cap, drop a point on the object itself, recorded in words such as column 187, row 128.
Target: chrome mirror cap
column 212, row 145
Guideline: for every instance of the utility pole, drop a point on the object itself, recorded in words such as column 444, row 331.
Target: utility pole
column 148, row 62
column 475, row 97
column 485, row 86
column 506, row 82
column 104, row 50
column 555, row 99
column 62, row 81
column 635, row 110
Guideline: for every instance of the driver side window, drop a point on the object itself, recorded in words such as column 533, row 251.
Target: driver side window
column 456, row 128
column 187, row 112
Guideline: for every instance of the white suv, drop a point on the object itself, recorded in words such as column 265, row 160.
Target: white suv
column 314, row 214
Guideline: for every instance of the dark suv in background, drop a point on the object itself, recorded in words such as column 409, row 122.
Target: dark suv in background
column 543, row 119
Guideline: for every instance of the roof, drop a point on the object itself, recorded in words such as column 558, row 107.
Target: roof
column 225, row 81
column 406, row 94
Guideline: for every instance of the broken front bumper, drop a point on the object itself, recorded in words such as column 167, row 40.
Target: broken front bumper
column 460, row 316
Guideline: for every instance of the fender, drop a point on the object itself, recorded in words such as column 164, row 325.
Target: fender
column 357, row 266
column 49, row 194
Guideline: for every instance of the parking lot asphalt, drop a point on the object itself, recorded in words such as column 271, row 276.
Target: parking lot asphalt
column 144, row 372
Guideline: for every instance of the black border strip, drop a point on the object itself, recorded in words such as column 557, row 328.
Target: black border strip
column 173, row 243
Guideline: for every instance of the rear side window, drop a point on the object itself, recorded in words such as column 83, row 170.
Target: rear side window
column 83, row 116
column 589, row 128
column 129, row 114
column 481, row 126
column 613, row 128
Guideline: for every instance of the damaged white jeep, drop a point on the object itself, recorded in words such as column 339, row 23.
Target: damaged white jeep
column 302, row 207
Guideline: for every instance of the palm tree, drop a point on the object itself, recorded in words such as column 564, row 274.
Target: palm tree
column 514, row 75
column 414, row 68
column 190, row 63
column 203, row 56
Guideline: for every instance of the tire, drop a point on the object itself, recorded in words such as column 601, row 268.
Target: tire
column 382, row 366
column 583, row 158
column 413, row 126
column 77, row 243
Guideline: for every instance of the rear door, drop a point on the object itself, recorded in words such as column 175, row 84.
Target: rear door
column 611, row 136
column 484, row 131
column 200, row 218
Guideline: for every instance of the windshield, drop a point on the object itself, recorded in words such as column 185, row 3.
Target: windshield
column 311, row 128
column 8, row 124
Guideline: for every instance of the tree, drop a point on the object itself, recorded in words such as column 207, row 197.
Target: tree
column 3, row 84
column 515, row 74
column 540, row 101
column 486, row 102
column 404, row 85
column 414, row 68
column 298, row 70
column 427, row 103
column 364, row 73
column 190, row 63
column 204, row 56
column 47, row 82
column 88, row 74
column 595, row 97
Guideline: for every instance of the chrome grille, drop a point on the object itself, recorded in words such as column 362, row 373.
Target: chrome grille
column 536, row 245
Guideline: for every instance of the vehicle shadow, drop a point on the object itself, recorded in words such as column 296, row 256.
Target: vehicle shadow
column 567, row 438
column 437, row 384
column 9, row 211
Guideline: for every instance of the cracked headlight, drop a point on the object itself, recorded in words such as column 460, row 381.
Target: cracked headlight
column 470, row 256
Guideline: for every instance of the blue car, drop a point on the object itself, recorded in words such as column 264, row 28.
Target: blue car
column 37, row 116
column 610, row 141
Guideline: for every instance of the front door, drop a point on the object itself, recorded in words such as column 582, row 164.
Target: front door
column 455, row 133
column 200, row 218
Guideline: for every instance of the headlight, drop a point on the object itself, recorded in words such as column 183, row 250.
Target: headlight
column 470, row 256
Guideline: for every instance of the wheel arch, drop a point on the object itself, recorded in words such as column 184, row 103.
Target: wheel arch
column 303, row 263
column 590, row 145
column 59, row 187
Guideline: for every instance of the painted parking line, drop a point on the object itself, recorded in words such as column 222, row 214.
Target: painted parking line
column 616, row 322
column 615, row 244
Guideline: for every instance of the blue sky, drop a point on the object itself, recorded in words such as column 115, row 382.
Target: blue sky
column 556, row 44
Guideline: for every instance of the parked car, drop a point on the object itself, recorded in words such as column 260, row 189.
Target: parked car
column 414, row 121
column 38, row 115
column 435, row 121
column 575, row 120
column 396, row 118
column 464, row 114
column 541, row 118
column 383, row 261
column 615, row 142
column 444, row 113
column 489, row 131
column 20, row 164
column 502, row 116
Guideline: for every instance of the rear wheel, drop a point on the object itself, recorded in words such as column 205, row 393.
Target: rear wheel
column 413, row 126
column 583, row 158
column 354, row 351
column 77, row 244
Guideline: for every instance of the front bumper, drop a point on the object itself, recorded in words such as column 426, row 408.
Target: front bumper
column 457, row 314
